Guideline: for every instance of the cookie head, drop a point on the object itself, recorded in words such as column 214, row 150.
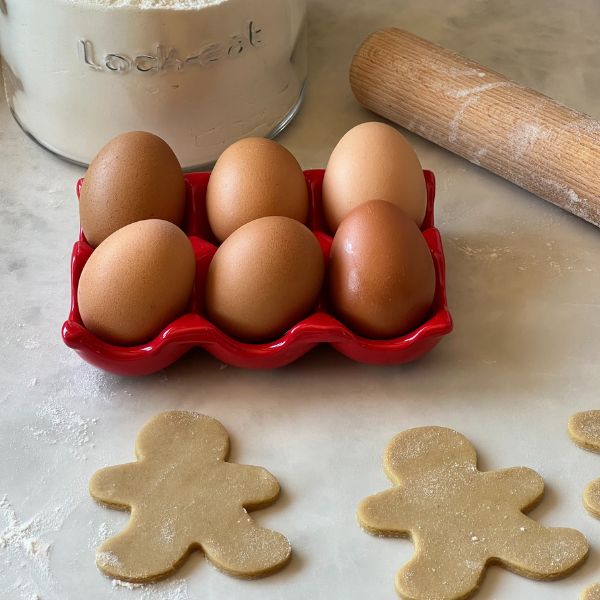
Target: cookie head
column 183, row 434
column 413, row 449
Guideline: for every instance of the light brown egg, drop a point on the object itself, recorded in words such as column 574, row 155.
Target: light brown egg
column 254, row 178
column 136, row 282
column 373, row 160
column 264, row 278
column 381, row 276
column 135, row 176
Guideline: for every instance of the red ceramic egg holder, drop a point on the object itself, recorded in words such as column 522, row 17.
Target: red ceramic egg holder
column 194, row 330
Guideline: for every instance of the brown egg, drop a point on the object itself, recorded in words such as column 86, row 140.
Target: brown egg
column 264, row 278
column 381, row 275
column 135, row 176
column 136, row 282
column 254, row 178
column 373, row 160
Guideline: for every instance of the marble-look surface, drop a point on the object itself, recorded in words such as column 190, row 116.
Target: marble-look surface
column 524, row 290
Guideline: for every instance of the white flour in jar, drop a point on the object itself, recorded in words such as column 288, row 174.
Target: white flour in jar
column 199, row 73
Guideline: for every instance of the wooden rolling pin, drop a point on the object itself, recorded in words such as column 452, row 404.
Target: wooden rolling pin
column 513, row 131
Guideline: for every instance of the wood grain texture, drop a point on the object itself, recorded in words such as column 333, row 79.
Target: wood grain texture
column 537, row 143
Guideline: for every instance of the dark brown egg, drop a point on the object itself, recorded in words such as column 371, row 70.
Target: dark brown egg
column 136, row 282
column 136, row 176
column 254, row 178
column 381, row 276
column 264, row 278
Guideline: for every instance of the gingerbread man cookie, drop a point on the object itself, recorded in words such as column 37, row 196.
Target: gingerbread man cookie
column 183, row 496
column 584, row 429
column 461, row 519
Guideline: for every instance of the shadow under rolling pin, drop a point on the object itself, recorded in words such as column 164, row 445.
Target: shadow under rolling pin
column 545, row 147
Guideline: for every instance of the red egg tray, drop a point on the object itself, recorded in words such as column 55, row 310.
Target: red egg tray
column 194, row 330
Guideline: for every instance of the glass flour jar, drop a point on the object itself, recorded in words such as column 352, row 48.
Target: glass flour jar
column 199, row 73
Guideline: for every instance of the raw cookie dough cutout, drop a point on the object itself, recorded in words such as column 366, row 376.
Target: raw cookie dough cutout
column 584, row 429
column 461, row 519
column 591, row 592
column 183, row 496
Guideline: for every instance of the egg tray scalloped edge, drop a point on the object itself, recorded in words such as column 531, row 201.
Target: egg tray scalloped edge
column 320, row 327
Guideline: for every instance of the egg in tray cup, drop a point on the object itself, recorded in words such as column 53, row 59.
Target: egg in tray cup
column 258, row 262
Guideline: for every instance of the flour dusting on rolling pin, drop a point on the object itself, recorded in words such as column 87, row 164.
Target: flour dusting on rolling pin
column 545, row 147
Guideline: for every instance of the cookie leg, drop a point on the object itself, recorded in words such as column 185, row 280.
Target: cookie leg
column 140, row 553
column 539, row 552
column 247, row 550
column 430, row 574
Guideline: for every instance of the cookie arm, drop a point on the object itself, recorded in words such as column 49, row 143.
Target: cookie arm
column 116, row 485
column 258, row 488
column 522, row 486
column 385, row 514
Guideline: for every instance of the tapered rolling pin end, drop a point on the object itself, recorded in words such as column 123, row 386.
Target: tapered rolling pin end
column 525, row 137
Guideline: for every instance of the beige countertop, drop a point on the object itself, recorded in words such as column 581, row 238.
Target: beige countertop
column 524, row 292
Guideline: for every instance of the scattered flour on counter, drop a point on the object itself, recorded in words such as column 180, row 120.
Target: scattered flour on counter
column 108, row 558
column 31, row 344
column 24, row 545
column 554, row 261
column 126, row 584
column 173, row 590
column 63, row 426
column 486, row 252
column 22, row 537
column 27, row 535
column 167, row 590
column 104, row 532
column 57, row 422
